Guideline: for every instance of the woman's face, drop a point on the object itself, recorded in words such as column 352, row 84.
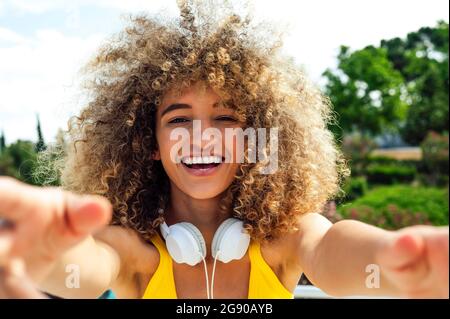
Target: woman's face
column 206, row 166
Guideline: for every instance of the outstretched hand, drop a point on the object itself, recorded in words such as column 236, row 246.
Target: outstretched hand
column 416, row 262
column 43, row 223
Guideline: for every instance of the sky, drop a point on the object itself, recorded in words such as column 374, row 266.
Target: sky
column 43, row 43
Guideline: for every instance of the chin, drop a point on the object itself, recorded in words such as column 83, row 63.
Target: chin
column 201, row 192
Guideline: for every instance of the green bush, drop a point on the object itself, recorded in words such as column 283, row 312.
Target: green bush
column 436, row 158
column 385, row 160
column 433, row 179
column 379, row 159
column 435, row 152
column 354, row 188
column 393, row 207
column 390, row 173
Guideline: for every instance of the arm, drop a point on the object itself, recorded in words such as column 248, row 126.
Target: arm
column 84, row 271
column 337, row 255
column 92, row 281
column 341, row 258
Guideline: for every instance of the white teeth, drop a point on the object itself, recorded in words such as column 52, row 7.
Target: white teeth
column 216, row 159
column 202, row 160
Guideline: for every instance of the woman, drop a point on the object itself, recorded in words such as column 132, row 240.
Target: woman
column 203, row 71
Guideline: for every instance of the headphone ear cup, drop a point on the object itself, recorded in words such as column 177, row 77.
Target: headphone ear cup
column 231, row 240
column 185, row 244
column 201, row 245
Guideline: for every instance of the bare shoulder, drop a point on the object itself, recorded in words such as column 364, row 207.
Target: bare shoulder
column 132, row 249
column 290, row 254
column 293, row 247
column 137, row 256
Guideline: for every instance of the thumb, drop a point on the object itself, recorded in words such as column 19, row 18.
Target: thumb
column 87, row 213
column 402, row 252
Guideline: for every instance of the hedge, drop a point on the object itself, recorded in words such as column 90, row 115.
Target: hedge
column 393, row 207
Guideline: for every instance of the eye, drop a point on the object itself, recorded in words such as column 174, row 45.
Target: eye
column 178, row 120
column 226, row 118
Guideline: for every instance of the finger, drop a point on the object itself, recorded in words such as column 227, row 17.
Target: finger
column 6, row 239
column 13, row 199
column 15, row 284
column 5, row 247
column 85, row 214
column 19, row 200
column 60, row 216
column 438, row 252
column 402, row 252
column 75, row 217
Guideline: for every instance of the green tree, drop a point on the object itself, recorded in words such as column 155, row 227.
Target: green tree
column 50, row 162
column 18, row 160
column 400, row 86
column 40, row 145
column 2, row 142
column 422, row 59
column 366, row 92
column 6, row 163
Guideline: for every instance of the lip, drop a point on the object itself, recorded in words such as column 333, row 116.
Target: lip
column 202, row 172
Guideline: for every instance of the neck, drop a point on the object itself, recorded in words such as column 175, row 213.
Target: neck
column 203, row 213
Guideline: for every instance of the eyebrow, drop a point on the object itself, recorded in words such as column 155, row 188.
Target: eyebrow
column 177, row 106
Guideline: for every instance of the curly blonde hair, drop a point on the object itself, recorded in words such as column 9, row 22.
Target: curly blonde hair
column 112, row 139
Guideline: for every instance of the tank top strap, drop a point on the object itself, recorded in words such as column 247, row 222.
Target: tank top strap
column 162, row 283
column 253, row 250
column 263, row 281
column 161, row 246
column 256, row 258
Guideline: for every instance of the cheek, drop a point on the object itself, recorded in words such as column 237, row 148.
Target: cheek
column 164, row 145
column 234, row 168
column 235, row 148
column 172, row 149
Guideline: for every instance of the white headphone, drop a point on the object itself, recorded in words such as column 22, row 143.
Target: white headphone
column 186, row 244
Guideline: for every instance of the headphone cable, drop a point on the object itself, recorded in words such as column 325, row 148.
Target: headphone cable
column 213, row 273
column 206, row 276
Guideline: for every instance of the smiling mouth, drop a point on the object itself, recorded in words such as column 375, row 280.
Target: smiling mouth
column 201, row 166
column 205, row 164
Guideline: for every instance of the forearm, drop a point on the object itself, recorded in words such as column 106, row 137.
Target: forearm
column 84, row 271
column 345, row 262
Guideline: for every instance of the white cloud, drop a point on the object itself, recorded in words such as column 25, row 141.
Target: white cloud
column 10, row 37
column 38, row 75
column 136, row 5
column 319, row 27
column 41, row 6
column 38, row 6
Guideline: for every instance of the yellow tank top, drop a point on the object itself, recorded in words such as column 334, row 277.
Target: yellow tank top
column 263, row 283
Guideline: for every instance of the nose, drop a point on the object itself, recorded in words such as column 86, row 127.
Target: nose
column 205, row 138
